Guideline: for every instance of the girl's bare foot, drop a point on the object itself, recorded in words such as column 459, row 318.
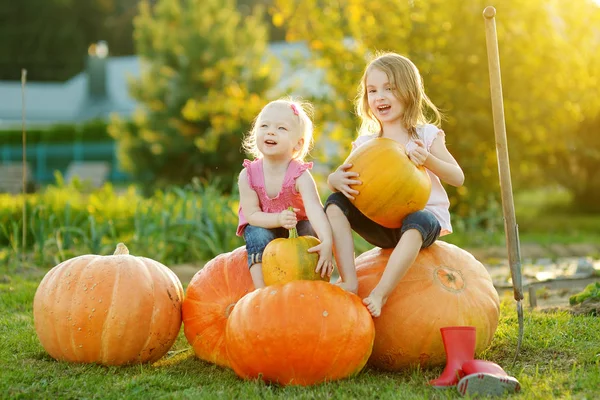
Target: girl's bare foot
column 374, row 304
column 352, row 288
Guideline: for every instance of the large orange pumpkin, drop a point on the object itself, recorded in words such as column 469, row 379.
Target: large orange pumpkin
column 392, row 186
column 446, row 286
column 287, row 259
column 299, row 333
column 110, row 310
column 209, row 299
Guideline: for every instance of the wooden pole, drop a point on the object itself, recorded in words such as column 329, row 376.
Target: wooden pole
column 24, row 188
column 511, row 228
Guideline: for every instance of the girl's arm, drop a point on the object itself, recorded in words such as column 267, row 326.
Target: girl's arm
column 441, row 162
column 306, row 186
column 253, row 213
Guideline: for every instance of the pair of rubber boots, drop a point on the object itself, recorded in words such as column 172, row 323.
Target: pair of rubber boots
column 471, row 377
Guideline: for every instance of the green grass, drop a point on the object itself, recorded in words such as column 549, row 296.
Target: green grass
column 560, row 358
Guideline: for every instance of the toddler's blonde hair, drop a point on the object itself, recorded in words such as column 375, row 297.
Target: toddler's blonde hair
column 304, row 125
column 407, row 84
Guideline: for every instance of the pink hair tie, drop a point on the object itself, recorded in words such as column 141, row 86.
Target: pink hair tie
column 294, row 109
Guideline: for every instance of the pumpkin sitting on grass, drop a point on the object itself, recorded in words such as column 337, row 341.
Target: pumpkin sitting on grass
column 110, row 310
column 299, row 333
column 209, row 299
column 445, row 286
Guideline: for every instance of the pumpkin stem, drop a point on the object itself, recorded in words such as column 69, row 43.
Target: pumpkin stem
column 121, row 250
column 293, row 231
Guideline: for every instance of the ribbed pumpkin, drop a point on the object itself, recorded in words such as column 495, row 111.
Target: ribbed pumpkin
column 111, row 310
column 299, row 333
column 392, row 186
column 287, row 259
column 446, row 286
column 210, row 297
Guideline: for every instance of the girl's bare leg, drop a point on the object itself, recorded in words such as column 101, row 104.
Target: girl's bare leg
column 400, row 260
column 343, row 248
column 257, row 276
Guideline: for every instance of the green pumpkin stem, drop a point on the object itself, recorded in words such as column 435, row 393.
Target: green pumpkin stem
column 293, row 231
column 121, row 250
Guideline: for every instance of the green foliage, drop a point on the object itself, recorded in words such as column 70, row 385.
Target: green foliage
column 205, row 73
column 591, row 292
column 549, row 58
column 192, row 224
column 577, row 165
column 197, row 222
column 91, row 131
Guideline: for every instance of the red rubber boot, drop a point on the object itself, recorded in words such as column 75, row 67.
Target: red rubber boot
column 459, row 344
column 486, row 378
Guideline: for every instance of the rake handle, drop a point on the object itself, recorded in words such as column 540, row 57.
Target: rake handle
column 511, row 228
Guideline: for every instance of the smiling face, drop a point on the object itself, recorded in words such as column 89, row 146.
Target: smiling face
column 381, row 96
column 278, row 132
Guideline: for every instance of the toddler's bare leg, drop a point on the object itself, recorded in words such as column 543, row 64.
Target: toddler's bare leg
column 343, row 248
column 400, row 260
column 257, row 276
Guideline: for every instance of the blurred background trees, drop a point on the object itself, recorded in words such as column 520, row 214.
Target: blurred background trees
column 549, row 56
column 50, row 38
column 205, row 74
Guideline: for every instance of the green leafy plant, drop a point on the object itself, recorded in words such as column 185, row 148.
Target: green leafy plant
column 591, row 292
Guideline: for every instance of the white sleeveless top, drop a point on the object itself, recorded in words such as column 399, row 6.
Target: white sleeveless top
column 438, row 203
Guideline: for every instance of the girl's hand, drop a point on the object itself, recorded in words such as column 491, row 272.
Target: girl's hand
column 341, row 180
column 418, row 155
column 325, row 264
column 287, row 219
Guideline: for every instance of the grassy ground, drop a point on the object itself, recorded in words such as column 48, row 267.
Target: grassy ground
column 560, row 358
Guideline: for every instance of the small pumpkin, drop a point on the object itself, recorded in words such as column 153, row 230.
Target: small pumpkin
column 446, row 286
column 392, row 186
column 287, row 259
column 110, row 310
column 299, row 333
column 210, row 297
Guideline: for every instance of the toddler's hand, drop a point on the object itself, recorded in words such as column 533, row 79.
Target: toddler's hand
column 342, row 179
column 418, row 155
column 325, row 264
column 287, row 219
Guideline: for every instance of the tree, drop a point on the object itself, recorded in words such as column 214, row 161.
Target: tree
column 50, row 38
column 545, row 51
column 205, row 72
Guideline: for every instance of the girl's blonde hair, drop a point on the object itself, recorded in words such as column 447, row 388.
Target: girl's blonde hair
column 302, row 110
column 405, row 79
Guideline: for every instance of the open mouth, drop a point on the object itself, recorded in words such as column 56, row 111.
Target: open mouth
column 383, row 108
column 270, row 142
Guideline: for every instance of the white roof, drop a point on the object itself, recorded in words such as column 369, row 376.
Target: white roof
column 67, row 102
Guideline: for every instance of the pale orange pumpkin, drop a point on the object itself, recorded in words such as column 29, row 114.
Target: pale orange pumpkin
column 299, row 333
column 446, row 286
column 287, row 259
column 209, row 299
column 392, row 186
column 111, row 310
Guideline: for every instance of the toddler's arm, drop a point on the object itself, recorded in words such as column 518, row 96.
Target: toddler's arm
column 306, row 186
column 253, row 213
